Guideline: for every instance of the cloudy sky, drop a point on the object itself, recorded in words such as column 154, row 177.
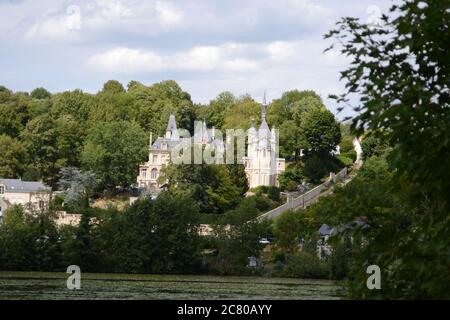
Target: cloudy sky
column 207, row 46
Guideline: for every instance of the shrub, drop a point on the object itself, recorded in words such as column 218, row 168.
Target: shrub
column 305, row 265
column 346, row 144
column 315, row 169
column 344, row 160
column 351, row 154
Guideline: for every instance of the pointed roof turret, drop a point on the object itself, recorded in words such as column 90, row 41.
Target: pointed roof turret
column 264, row 125
column 171, row 131
column 172, row 124
column 205, row 132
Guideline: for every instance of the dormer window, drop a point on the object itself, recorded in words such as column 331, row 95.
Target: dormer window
column 2, row 189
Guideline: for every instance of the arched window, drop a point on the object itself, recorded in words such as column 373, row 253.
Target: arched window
column 154, row 174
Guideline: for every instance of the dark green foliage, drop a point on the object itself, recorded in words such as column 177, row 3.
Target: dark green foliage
column 345, row 161
column 316, row 167
column 320, row 132
column 13, row 157
column 340, row 258
column 113, row 151
column 237, row 239
column 28, row 242
column 350, row 154
column 292, row 176
column 152, row 236
column 304, row 265
column 373, row 146
column 216, row 110
column 304, row 123
column 272, row 192
column 40, row 93
column 215, row 188
column 14, row 112
column 113, row 87
column 53, row 128
column 286, row 229
column 400, row 71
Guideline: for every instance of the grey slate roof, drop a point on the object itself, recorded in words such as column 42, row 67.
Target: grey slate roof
column 172, row 124
column 16, row 185
column 327, row 230
column 171, row 143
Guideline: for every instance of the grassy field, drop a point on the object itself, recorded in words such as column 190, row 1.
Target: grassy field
column 43, row 285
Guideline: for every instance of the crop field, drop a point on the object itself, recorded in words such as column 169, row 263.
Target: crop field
column 52, row 285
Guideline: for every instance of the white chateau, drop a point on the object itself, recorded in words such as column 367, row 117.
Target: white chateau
column 262, row 164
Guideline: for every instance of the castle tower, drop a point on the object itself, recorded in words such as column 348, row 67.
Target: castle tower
column 262, row 164
column 171, row 130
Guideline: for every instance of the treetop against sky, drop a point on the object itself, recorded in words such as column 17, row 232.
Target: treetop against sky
column 208, row 47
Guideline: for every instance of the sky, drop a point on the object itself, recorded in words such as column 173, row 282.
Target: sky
column 207, row 46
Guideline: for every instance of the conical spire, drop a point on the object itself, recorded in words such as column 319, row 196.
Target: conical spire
column 205, row 133
column 171, row 131
column 263, row 114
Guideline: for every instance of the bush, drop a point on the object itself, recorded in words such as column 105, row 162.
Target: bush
column 346, row 144
column 292, row 176
column 273, row 193
column 305, row 265
column 351, row 154
column 344, row 160
column 315, row 169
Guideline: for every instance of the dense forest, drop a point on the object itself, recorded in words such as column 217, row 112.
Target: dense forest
column 107, row 133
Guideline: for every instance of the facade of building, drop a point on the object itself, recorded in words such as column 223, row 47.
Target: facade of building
column 160, row 152
column 31, row 195
column 262, row 165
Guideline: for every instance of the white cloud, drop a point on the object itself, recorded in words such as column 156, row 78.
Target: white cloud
column 201, row 58
column 309, row 10
column 125, row 60
column 169, row 15
column 57, row 26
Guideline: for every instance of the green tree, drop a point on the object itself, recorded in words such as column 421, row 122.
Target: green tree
column 320, row 132
column 29, row 241
column 218, row 108
column 14, row 158
column 216, row 188
column 237, row 237
column 75, row 103
column 113, row 151
column 70, row 135
column 40, row 93
column 40, row 140
column 373, row 145
column 14, row 112
column 153, row 105
column 113, row 87
column 240, row 114
column 152, row 236
column 286, row 229
column 408, row 51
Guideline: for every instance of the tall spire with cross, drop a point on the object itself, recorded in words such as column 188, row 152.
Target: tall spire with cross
column 264, row 125
column 264, row 106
